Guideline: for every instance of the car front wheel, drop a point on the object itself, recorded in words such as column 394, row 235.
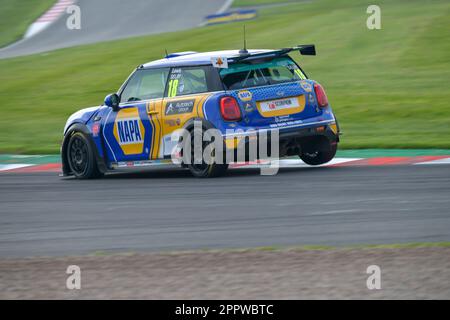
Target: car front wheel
column 81, row 158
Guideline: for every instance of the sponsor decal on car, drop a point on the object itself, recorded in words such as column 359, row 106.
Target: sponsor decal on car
column 172, row 122
column 179, row 107
column 248, row 107
column 129, row 131
column 306, row 86
column 245, row 95
column 282, row 118
column 286, row 124
column 281, row 107
column 95, row 129
column 219, row 62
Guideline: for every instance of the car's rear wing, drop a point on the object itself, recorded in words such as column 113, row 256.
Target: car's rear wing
column 305, row 49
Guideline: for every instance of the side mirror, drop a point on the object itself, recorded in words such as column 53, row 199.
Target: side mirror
column 112, row 101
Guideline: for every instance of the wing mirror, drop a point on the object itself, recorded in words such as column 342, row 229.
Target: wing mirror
column 112, row 100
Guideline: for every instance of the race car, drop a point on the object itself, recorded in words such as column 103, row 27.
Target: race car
column 230, row 91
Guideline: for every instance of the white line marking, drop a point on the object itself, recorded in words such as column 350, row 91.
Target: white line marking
column 297, row 163
column 6, row 167
column 24, row 156
column 225, row 6
column 46, row 19
column 440, row 161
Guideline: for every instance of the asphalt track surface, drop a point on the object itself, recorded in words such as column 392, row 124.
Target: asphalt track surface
column 104, row 20
column 166, row 209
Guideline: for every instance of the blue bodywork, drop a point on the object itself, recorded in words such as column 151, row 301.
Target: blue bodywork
column 100, row 121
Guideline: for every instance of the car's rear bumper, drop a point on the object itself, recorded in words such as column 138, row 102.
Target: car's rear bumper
column 291, row 141
column 328, row 129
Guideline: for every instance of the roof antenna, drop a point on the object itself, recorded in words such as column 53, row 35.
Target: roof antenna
column 244, row 51
column 166, row 52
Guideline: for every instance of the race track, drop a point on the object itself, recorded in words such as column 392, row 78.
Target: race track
column 167, row 209
column 103, row 20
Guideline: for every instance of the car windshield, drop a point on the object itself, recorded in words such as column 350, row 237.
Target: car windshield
column 250, row 74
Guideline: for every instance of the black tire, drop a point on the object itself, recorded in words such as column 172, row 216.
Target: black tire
column 81, row 158
column 319, row 156
column 205, row 170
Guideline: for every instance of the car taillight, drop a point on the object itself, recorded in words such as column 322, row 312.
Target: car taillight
column 229, row 109
column 322, row 99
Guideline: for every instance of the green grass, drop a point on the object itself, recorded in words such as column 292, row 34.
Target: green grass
column 389, row 87
column 249, row 3
column 17, row 15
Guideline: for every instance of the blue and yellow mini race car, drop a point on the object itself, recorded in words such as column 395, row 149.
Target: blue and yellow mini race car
column 231, row 91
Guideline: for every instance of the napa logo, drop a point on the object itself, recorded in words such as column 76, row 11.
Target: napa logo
column 306, row 86
column 129, row 131
column 245, row 95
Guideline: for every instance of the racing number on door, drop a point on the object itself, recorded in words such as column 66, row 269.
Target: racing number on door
column 174, row 81
column 173, row 86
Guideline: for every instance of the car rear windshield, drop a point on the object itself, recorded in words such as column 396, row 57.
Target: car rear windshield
column 253, row 74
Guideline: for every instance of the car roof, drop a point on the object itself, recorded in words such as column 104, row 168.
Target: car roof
column 190, row 58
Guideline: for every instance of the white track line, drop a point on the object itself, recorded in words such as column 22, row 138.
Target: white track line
column 440, row 161
column 6, row 167
column 48, row 18
column 297, row 163
column 225, row 6
column 284, row 163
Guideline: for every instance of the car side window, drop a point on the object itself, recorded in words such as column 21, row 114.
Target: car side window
column 189, row 80
column 145, row 84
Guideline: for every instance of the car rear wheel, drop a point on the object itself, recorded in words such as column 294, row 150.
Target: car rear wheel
column 80, row 157
column 317, row 157
column 204, row 170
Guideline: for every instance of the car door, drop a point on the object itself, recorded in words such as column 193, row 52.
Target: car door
column 133, row 132
column 187, row 90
